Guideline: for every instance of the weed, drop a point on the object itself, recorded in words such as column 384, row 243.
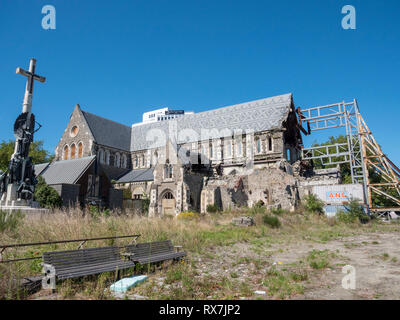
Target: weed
column 213, row 208
column 319, row 259
column 281, row 285
column 313, row 204
column 271, row 221
column 9, row 221
column 278, row 211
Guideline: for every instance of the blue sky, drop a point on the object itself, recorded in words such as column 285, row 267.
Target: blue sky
column 119, row 59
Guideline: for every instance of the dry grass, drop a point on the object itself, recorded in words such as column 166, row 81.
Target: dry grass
column 194, row 235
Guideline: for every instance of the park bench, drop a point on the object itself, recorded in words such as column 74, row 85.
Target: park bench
column 84, row 262
column 152, row 252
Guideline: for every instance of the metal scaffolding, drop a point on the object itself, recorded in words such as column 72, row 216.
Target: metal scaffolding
column 361, row 151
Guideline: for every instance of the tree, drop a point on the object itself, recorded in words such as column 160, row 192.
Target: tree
column 37, row 152
column 46, row 195
column 374, row 176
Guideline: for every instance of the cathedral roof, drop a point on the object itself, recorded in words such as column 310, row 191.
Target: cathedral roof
column 65, row 171
column 137, row 176
column 107, row 132
column 258, row 115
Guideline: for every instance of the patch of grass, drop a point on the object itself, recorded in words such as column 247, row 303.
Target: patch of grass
column 282, row 285
column 188, row 215
column 385, row 256
column 320, row 259
column 278, row 211
column 9, row 221
column 271, row 221
column 174, row 274
column 299, row 276
column 213, row 208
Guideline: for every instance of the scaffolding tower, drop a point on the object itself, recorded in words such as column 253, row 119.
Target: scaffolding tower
column 360, row 151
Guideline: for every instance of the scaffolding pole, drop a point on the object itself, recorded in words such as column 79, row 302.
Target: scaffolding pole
column 361, row 151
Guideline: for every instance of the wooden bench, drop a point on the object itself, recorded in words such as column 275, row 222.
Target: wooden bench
column 152, row 252
column 84, row 262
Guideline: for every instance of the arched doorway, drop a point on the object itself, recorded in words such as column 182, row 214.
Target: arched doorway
column 168, row 203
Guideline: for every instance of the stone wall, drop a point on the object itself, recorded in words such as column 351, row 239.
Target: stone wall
column 275, row 186
column 81, row 135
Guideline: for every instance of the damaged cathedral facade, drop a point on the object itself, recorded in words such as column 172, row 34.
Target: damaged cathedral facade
column 226, row 157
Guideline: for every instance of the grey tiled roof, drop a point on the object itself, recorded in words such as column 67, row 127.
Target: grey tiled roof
column 67, row 171
column 39, row 168
column 108, row 132
column 137, row 176
column 263, row 114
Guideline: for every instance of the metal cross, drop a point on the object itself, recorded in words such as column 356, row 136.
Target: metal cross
column 27, row 105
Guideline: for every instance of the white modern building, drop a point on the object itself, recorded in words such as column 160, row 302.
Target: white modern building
column 163, row 114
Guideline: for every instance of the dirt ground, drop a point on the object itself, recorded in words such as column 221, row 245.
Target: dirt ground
column 375, row 257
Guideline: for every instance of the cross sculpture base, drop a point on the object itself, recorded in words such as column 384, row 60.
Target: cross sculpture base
column 10, row 203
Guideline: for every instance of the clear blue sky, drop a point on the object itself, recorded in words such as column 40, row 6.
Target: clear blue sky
column 119, row 59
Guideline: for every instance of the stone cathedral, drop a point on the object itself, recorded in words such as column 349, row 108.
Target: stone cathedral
column 227, row 157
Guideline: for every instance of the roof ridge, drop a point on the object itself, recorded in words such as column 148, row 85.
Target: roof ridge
column 76, row 159
column 220, row 108
column 93, row 114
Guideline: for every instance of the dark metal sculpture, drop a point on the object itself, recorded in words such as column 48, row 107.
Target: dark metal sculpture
column 21, row 169
column 19, row 180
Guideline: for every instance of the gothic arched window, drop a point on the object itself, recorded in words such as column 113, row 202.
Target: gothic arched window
column 168, row 195
column 101, row 156
column 65, row 152
column 73, row 151
column 258, row 145
column 107, row 156
column 269, row 144
column 168, row 171
column 117, row 161
column 124, row 161
column 80, row 150
column 228, row 148
column 239, row 150
column 136, row 161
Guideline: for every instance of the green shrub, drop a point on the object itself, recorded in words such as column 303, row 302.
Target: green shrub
column 10, row 220
column 127, row 193
column 320, row 259
column 212, row 208
column 271, row 221
column 353, row 211
column 278, row 211
column 345, row 217
column 95, row 212
column 313, row 205
column 257, row 208
column 46, row 195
